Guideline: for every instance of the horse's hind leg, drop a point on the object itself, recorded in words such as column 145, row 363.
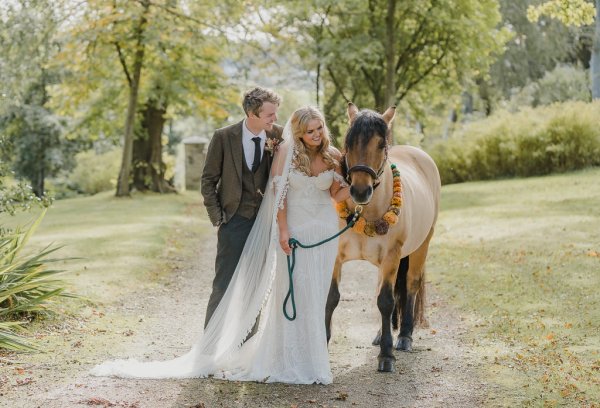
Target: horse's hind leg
column 413, row 296
column 334, row 296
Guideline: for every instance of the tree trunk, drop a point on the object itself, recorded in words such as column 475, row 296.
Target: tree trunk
column 390, row 52
column 134, row 85
column 38, row 183
column 595, row 61
column 149, row 169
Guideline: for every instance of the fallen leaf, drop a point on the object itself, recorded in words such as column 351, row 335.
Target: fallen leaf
column 342, row 396
column 25, row 381
column 550, row 336
column 433, row 331
column 99, row 401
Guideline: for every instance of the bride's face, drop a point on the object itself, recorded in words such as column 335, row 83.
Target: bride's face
column 315, row 132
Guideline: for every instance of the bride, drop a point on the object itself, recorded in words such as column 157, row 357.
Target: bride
column 297, row 203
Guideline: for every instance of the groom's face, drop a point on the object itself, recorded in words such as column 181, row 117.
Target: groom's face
column 266, row 118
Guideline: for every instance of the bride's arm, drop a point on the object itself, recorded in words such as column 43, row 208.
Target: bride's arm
column 339, row 190
column 284, row 235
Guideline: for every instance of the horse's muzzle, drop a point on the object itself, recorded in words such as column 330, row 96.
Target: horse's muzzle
column 361, row 195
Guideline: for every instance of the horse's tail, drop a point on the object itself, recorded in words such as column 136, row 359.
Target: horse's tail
column 420, row 318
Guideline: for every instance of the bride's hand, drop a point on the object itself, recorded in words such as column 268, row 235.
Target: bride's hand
column 284, row 241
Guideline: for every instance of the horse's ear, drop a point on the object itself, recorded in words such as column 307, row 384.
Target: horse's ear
column 389, row 115
column 352, row 111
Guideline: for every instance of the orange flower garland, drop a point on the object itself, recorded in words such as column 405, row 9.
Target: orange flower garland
column 381, row 226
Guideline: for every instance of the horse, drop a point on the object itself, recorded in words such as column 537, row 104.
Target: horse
column 396, row 245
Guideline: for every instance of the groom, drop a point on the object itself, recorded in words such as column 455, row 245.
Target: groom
column 234, row 178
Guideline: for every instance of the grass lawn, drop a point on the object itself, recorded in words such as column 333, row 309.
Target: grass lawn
column 521, row 260
column 117, row 239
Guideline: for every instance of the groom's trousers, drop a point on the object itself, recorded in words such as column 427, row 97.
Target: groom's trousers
column 231, row 239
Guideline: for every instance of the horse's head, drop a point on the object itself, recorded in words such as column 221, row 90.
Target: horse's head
column 366, row 149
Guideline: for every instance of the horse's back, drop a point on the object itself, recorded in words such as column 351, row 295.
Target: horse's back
column 419, row 165
column 421, row 194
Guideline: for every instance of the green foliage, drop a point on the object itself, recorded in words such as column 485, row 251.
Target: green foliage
column 180, row 68
column 380, row 52
column 38, row 148
column 27, row 286
column 34, row 144
column 555, row 138
column 534, row 49
column 15, row 196
column 95, row 172
column 564, row 83
column 570, row 12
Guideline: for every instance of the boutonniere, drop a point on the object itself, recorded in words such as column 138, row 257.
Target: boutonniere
column 271, row 145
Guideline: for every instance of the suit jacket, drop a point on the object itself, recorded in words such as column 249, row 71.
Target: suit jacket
column 222, row 176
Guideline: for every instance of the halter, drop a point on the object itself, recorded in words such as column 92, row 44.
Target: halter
column 367, row 169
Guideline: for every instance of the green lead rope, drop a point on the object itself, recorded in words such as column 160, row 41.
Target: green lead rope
column 291, row 261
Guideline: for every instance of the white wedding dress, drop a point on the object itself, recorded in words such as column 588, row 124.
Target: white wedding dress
column 296, row 351
column 281, row 350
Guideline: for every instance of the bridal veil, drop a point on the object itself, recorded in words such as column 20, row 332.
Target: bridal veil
column 219, row 349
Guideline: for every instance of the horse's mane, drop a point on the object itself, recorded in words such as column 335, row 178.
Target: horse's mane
column 366, row 124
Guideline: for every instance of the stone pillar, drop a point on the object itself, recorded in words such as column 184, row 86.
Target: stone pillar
column 195, row 155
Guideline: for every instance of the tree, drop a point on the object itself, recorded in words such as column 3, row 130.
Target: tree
column 167, row 57
column 33, row 144
column 378, row 52
column 576, row 13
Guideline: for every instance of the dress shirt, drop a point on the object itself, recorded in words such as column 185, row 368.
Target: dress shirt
column 248, row 144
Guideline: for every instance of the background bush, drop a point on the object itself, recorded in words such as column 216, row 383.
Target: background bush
column 95, row 172
column 532, row 142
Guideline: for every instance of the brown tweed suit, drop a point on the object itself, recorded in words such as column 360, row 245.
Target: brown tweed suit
column 222, row 189
column 222, row 175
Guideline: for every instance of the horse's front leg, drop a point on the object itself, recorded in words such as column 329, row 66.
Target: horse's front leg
column 385, row 303
column 334, row 296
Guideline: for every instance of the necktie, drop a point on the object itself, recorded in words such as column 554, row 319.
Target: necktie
column 256, row 161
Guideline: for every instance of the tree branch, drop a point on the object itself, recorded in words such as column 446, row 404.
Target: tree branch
column 337, row 84
column 425, row 73
column 123, row 62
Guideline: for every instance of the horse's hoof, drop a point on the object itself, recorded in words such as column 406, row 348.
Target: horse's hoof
column 386, row 365
column 404, row 344
column 377, row 340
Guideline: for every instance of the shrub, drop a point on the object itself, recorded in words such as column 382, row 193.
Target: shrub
column 555, row 138
column 95, row 172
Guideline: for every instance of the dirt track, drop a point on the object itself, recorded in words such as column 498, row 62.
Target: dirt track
column 161, row 319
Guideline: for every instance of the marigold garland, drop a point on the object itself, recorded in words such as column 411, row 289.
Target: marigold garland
column 381, row 226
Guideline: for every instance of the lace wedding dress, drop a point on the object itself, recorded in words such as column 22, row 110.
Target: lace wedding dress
column 296, row 351
column 280, row 350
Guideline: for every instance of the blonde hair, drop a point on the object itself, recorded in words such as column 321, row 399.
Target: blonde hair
column 299, row 122
column 254, row 99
